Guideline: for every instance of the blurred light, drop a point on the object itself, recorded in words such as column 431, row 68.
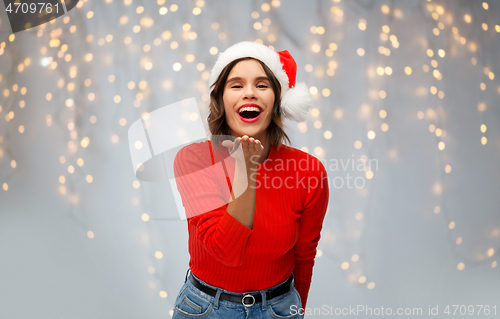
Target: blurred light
column 85, row 142
column 362, row 24
column 481, row 107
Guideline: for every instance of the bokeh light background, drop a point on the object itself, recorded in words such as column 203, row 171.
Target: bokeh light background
column 411, row 84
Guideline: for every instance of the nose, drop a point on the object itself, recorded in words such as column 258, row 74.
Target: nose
column 249, row 92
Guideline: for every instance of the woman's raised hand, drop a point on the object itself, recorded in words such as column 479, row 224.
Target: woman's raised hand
column 252, row 150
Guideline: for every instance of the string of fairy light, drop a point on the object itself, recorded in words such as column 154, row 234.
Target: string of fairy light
column 76, row 92
column 9, row 94
column 439, row 14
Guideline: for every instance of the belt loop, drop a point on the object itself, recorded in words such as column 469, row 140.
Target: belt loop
column 264, row 299
column 187, row 272
column 216, row 298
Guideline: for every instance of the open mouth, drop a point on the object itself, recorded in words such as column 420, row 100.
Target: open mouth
column 249, row 113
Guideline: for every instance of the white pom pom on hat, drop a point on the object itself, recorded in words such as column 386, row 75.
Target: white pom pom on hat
column 295, row 97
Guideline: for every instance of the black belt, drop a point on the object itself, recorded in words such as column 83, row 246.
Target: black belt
column 248, row 299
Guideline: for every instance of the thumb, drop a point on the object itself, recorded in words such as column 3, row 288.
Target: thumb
column 227, row 143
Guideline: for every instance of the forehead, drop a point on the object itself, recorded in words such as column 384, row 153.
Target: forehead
column 247, row 69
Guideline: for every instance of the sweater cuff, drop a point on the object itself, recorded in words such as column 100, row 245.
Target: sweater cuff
column 234, row 232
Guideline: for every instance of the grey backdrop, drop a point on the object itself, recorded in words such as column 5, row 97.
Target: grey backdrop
column 412, row 211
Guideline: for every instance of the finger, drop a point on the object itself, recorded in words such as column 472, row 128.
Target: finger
column 237, row 144
column 244, row 141
column 251, row 143
column 237, row 141
column 258, row 145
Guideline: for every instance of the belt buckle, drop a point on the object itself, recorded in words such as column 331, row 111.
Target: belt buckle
column 243, row 300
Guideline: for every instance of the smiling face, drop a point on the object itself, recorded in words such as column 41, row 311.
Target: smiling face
column 248, row 100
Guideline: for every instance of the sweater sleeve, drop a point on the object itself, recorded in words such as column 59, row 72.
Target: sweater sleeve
column 311, row 223
column 205, row 194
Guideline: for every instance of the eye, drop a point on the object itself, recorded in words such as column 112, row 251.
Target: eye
column 262, row 85
column 235, row 86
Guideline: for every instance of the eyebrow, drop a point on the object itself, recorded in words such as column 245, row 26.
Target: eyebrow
column 260, row 78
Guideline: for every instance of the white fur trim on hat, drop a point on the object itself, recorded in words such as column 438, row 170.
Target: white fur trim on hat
column 295, row 102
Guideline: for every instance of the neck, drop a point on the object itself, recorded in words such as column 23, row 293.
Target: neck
column 267, row 148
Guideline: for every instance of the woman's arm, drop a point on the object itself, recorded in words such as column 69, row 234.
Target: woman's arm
column 311, row 223
column 243, row 207
column 223, row 229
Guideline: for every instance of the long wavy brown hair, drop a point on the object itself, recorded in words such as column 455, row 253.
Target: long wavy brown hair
column 217, row 123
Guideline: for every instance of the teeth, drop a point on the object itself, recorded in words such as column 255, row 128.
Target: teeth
column 249, row 108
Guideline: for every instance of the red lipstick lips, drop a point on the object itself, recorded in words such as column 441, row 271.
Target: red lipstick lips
column 252, row 119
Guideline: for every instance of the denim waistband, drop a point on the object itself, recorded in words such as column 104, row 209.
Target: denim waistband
column 216, row 300
column 236, row 293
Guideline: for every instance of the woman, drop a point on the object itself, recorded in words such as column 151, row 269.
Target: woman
column 255, row 207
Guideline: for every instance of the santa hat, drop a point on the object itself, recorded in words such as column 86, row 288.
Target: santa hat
column 295, row 97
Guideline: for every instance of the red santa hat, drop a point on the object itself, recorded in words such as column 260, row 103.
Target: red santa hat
column 295, row 97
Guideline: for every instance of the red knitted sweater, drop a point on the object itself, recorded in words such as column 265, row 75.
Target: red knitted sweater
column 291, row 201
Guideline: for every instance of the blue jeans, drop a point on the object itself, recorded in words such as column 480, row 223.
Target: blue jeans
column 194, row 303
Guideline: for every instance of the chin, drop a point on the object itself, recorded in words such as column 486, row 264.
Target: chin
column 248, row 133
